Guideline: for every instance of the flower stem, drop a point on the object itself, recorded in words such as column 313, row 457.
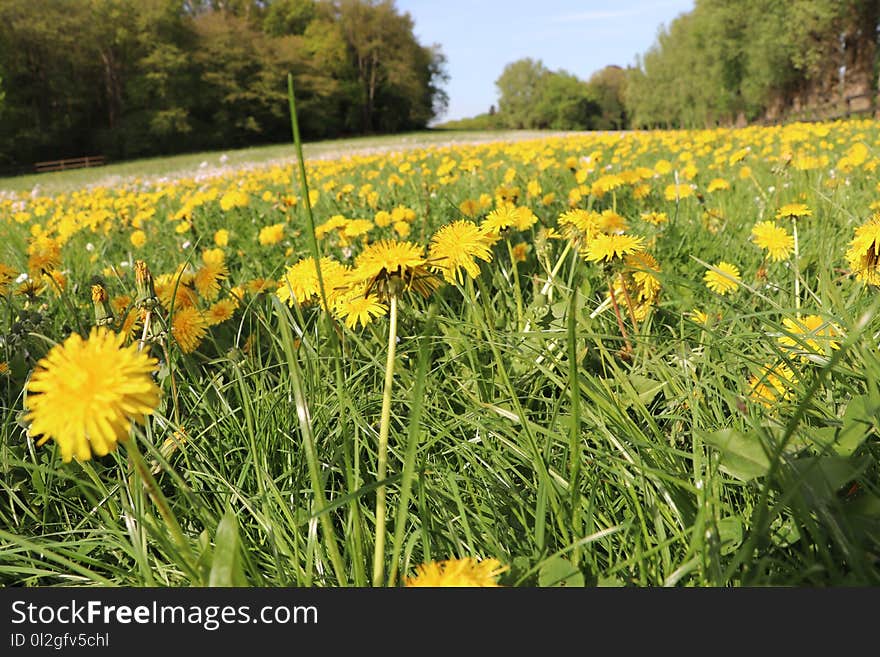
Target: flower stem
column 382, row 456
column 161, row 503
column 619, row 318
column 146, row 331
column 797, row 273
column 556, row 267
column 629, row 303
column 517, row 293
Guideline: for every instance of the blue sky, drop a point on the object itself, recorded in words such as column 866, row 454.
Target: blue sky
column 480, row 37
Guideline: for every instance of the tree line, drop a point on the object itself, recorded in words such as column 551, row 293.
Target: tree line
column 725, row 62
column 132, row 79
column 731, row 61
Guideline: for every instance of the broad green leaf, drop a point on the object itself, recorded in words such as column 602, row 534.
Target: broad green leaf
column 742, row 456
column 226, row 568
column 858, row 422
column 822, row 476
column 646, row 387
column 730, row 534
column 558, row 571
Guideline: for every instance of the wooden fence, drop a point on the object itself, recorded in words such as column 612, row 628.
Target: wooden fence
column 70, row 163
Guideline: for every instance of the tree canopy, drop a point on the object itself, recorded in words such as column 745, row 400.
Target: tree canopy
column 532, row 96
column 743, row 60
column 129, row 79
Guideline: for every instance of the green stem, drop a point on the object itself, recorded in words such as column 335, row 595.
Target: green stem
column 304, row 183
column 382, row 457
column 556, row 267
column 517, row 292
column 797, row 273
column 311, row 450
column 140, row 466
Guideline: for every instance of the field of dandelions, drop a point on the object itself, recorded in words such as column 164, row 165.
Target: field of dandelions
column 641, row 359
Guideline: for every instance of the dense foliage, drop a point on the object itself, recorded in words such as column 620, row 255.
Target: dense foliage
column 532, row 96
column 749, row 59
column 127, row 79
column 726, row 62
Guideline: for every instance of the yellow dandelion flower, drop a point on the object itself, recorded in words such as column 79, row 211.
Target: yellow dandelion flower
column 717, row 184
column 700, row 317
column 501, row 218
column 774, row 384
column 355, row 307
column 810, row 334
column 220, row 311
column 525, row 218
column 466, row 572
column 774, row 238
column 402, row 228
column 120, row 304
column 188, row 327
column 335, row 224
column 454, row 248
column 643, row 268
column 724, row 280
column 256, row 286
column 793, row 210
column 44, row 253
column 677, row 192
column 221, row 237
column 270, row 235
column 234, row 199
column 175, row 289
column 655, row 218
column 137, row 238
column 578, row 225
column 357, row 228
column 605, row 248
column 520, row 251
column 4, row 368
column 300, row 282
column 469, row 208
column 30, row 288
column 389, row 266
column 208, row 277
column 7, row 275
column 85, row 394
column 612, row 222
column 131, row 324
column 863, row 254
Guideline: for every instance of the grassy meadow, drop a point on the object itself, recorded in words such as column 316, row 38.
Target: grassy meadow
column 631, row 359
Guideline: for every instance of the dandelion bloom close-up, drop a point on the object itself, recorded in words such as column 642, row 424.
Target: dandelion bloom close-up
column 863, row 254
column 390, row 266
column 605, row 248
column 810, row 333
column 772, row 237
column 455, row 247
column 774, row 384
column 189, row 327
column 725, row 280
column 85, row 393
column 794, row 210
column 467, row 572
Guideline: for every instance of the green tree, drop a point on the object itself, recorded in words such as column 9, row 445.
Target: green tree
column 607, row 88
column 518, row 89
column 563, row 102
